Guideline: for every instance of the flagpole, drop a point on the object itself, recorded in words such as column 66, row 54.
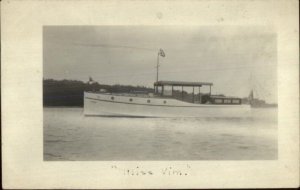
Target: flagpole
column 157, row 71
column 157, row 67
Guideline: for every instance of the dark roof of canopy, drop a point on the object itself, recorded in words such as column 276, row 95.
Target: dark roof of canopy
column 181, row 83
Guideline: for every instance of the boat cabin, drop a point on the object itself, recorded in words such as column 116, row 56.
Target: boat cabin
column 166, row 89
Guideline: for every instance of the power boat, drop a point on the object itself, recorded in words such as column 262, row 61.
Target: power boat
column 165, row 103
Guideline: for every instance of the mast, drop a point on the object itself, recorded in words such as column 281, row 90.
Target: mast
column 157, row 71
column 157, row 67
column 160, row 53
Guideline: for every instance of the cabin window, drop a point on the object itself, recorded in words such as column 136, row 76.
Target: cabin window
column 112, row 98
column 148, row 101
column 227, row 101
column 218, row 101
column 236, row 101
column 165, row 101
column 130, row 99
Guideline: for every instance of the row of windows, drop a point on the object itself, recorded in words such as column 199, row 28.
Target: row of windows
column 227, row 101
column 130, row 100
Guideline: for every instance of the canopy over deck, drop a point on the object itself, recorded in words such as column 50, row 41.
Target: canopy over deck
column 181, row 83
column 162, row 85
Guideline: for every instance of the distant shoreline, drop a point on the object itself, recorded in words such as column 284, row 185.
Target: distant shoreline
column 70, row 93
column 266, row 106
column 260, row 107
column 62, row 106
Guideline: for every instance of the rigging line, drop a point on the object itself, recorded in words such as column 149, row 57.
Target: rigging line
column 193, row 70
column 151, row 73
column 115, row 46
column 211, row 70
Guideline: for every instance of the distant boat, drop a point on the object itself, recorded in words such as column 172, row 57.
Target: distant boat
column 259, row 94
column 257, row 103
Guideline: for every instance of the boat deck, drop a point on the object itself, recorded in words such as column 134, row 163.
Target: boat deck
column 212, row 99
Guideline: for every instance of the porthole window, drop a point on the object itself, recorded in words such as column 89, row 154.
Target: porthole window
column 130, row 99
column 112, row 98
column 148, row 101
column 165, row 101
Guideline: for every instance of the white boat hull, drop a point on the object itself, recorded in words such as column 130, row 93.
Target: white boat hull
column 97, row 104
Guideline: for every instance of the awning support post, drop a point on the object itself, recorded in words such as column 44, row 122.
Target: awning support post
column 157, row 67
column 193, row 94
column 199, row 95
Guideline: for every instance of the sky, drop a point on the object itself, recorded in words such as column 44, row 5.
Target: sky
column 236, row 59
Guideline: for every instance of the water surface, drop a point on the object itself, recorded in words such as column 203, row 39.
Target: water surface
column 68, row 135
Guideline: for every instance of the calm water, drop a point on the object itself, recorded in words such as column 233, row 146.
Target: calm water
column 68, row 135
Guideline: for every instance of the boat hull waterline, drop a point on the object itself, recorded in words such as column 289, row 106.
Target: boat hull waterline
column 98, row 104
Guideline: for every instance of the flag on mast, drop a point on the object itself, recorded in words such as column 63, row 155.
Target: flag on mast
column 162, row 53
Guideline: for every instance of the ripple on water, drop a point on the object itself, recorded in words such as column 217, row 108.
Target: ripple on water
column 70, row 136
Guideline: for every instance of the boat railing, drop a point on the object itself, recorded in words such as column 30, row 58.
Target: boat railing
column 149, row 95
column 203, row 99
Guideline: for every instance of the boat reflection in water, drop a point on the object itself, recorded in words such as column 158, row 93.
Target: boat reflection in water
column 165, row 103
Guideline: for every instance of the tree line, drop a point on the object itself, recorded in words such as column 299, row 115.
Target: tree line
column 70, row 92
